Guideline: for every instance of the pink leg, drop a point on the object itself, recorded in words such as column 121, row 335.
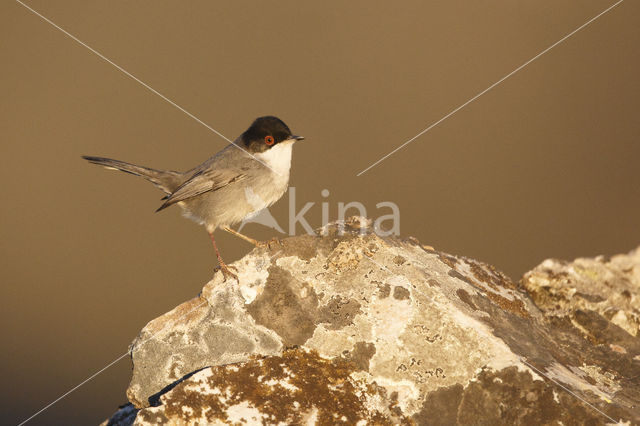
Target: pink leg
column 223, row 266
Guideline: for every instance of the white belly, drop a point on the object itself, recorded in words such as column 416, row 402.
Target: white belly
column 236, row 202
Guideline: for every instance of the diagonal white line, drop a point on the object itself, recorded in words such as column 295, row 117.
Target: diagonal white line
column 94, row 375
column 489, row 88
column 365, row 170
column 74, row 388
column 128, row 74
column 569, row 391
column 523, row 361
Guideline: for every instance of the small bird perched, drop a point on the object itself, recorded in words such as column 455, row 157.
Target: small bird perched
column 240, row 180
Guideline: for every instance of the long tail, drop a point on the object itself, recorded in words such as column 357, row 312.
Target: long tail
column 166, row 180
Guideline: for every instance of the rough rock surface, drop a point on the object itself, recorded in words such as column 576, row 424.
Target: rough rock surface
column 606, row 285
column 352, row 328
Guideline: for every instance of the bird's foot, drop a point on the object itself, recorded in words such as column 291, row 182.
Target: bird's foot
column 227, row 271
column 270, row 244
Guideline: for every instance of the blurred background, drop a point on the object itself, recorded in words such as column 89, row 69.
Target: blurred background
column 544, row 165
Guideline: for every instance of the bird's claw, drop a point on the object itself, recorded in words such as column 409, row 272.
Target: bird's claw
column 227, row 271
column 270, row 244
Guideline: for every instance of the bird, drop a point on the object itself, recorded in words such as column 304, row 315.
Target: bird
column 245, row 177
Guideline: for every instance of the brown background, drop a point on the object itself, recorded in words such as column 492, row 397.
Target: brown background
column 544, row 165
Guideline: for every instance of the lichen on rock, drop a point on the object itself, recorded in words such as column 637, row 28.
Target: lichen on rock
column 349, row 327
column 293, row 388
column 606, row 285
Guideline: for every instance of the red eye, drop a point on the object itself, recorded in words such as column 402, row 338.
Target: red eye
column 269, row 140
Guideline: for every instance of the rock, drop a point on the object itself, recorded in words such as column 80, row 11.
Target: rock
column 353, row 328
column 125, row 416
column 297, row 387
column 607, row 286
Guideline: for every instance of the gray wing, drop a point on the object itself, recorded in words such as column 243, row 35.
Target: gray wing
column 202, row 182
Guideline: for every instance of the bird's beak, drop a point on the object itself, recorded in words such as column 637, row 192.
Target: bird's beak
column 296, row 138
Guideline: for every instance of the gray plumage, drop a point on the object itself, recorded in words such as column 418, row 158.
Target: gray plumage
column 235, row 183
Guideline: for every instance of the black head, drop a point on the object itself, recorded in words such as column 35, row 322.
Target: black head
column 265, row 133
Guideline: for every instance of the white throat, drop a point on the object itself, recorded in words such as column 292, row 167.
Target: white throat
column 278, row 158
